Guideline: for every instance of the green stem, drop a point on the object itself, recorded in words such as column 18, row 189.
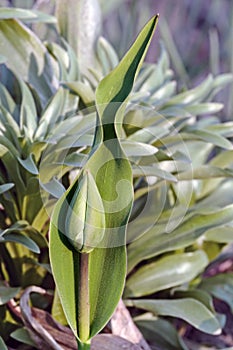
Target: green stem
column 84, row 346
column 83, row 302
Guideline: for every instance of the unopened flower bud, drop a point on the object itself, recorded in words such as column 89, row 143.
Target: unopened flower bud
column 85, row 218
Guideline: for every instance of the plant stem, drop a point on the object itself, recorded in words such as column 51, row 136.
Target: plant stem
column 84, row 346
column 83, row 301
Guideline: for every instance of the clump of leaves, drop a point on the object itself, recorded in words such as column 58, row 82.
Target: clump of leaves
column 181, row 159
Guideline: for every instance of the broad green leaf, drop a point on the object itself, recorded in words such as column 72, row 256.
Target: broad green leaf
column 187, row 309
column 158, row 240
column 220, row 286
column 19, row 44
column 160, row 332
column 112, row 174
column 7, row 293
column 170, row 271
column 198, row 294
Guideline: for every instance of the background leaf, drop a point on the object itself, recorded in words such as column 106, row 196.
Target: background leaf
column 36, row 66
column 187, row 309
column 165, row 273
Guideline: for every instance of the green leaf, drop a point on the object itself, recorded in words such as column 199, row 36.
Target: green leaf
column 194, row 95
column 150, row 134
column 9, row 124
column 2, row 344
column 83, row 90
column 159, row 239
column 153, row 170
column 19, row 44
column 204, row 108
column 7, row 293
column 51, row 114
column 220, row 286
column 198, row 294
column 28, row 112
column 212, row 138
column 54, row 187
column 67, row 60
column 6, row 187
column 57, row 310
column 112, row 174
column 164, row 273
column 25, row 15
column 29, row 165
column 187, row 309
column 22, row 335
column 205, row 172
column 6, row 100
column 222, row 234
column 107, row 55
column 160, row 332
column 21, row 239
column 127, row 68
column 138, row 149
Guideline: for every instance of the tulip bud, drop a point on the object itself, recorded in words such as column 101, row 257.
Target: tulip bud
column 85, row 218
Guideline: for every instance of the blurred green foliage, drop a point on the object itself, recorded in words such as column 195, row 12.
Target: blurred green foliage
column 176, row 134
